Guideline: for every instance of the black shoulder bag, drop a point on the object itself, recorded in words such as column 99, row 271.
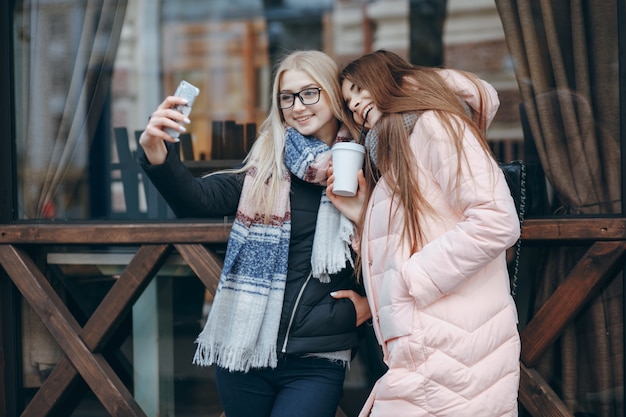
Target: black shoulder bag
column 515, row 174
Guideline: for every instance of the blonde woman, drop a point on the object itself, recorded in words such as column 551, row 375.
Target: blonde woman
column 283, row 325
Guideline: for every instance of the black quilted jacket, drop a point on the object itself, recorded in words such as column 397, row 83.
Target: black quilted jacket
column 311, row 322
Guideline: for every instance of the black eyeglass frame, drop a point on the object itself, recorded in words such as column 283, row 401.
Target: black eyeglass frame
column 297, row 94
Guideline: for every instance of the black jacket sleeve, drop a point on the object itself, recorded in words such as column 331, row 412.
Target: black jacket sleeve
column 190, row 196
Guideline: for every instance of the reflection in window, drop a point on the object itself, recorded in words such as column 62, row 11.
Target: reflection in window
column 85, row 68
column 64, row 53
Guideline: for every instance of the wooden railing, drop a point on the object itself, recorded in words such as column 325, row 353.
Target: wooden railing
column 601, row 263
column 22, row 247
column 195, row 242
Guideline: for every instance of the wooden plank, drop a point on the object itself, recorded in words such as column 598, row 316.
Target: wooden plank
column 217, row 139
column 538, row 397
column 204, row 263
column 123, row 294
column 216, row 230
column 609, row 228
column 186, row 147
column 595, row 269
column 229, row 139
column 104, row 321
column 94, row 369
column 250, row 136
column 129, row 171
column 235, row 144
column 211, row 231
column 203, row 167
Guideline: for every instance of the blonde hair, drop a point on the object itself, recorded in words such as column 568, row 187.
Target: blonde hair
column 266, row 155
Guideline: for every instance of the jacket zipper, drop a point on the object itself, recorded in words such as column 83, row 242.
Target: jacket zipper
column 293, row 312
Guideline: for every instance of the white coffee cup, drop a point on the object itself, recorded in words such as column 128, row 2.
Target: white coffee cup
column 347, row 161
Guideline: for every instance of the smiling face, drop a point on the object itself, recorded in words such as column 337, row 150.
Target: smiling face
column 311, row 120
column 360, row 103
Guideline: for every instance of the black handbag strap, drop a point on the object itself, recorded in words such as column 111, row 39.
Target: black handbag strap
column 521, row 213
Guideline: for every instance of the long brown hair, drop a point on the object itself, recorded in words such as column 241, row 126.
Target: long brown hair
column 398, row 87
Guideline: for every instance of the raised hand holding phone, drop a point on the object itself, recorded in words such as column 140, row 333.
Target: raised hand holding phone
column 189, row 92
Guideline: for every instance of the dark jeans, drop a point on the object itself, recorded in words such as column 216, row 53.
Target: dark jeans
column 298, row 387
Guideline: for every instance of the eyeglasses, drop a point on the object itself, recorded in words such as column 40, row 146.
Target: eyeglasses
column 307, row 97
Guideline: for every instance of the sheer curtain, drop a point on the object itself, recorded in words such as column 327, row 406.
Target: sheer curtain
column 64, row 59
column 566, row 63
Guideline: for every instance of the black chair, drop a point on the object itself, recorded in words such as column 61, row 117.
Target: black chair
column 134, row 181
column 231, row 140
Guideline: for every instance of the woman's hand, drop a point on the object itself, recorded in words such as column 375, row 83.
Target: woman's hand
column 361, row 305
column 350, row 207
column 153, row 137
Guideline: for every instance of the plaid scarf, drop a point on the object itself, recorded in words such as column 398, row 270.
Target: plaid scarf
column 242, row 327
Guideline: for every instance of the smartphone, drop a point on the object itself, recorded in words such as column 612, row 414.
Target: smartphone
column 190, row 92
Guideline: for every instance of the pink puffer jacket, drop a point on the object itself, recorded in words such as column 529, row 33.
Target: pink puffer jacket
column 444, row 315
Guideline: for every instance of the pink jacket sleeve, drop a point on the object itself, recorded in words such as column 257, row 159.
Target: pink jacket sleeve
column 488, row 222
column 467, row 91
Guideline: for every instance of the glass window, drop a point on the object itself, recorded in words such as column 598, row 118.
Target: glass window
column 86, row 68
column 86, row 71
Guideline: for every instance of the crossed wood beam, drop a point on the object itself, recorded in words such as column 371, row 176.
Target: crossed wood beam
column 83, row 346
column 598, row 267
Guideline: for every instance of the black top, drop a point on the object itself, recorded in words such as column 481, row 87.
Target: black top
column 320, row 323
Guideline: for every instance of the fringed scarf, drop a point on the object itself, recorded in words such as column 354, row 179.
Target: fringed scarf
column 242, row 327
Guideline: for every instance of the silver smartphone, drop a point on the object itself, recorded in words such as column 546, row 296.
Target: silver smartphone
column 190, row 92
